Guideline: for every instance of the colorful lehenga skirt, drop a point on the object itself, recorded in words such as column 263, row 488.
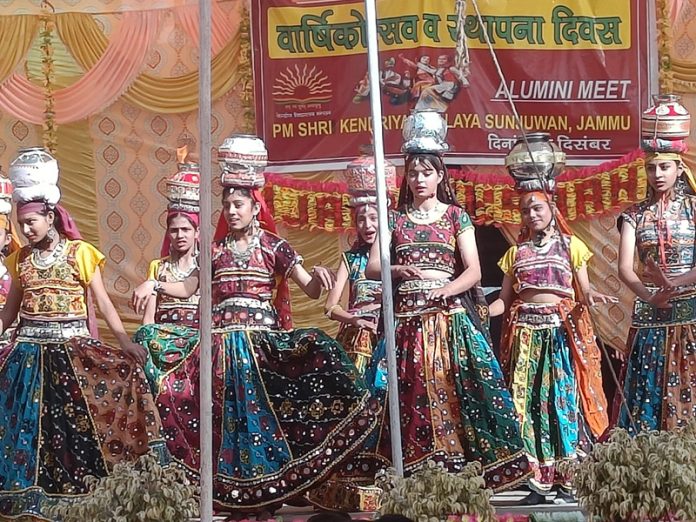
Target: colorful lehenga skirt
column 454, row 405
column 453, row 401
column 538, row 361
column 70, row 406
column 351, row 486
column 288, row 407
column 168, row 346
column 359, row 343
column 660, row 373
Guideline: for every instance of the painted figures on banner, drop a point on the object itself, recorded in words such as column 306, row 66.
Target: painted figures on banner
column 429, row 86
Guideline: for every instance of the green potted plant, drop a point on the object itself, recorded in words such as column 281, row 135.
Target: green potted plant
column 650, row 477
column 142, row 491
column 432, row 494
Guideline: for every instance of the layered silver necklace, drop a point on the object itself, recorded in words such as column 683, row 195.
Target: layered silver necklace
column 52, row 258
column 242, row 257
column 180, row 275
column 424, row 215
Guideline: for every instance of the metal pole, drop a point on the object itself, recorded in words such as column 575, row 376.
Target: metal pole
column 383, row 217
column 205, row 228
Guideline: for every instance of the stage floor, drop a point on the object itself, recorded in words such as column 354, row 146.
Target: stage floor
column 505, row 503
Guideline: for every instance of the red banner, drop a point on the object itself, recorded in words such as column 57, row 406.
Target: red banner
column 574, row 68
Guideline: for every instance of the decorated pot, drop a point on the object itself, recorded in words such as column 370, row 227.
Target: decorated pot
column 360, row 176
column 33, row 166
column 183, row 188
column 667, row 119
column 536, row 163
column 243, row 158
column 34, row 175
column 425, row 131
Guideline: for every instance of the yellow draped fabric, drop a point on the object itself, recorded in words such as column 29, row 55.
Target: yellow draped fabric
column 16, row 36
column 91, row 6
column 611, row 321
column 676, row 33
column 78, row 190
column 683, row 76
column 67, row 71
column 317, row 248
column 87, row 43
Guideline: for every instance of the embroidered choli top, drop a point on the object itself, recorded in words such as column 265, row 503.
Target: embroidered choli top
column 173, row 310
column 430, row 246
column 365, row 295
column 243, row 285
column 546, row 268
column 55, row 290
column 669, row 241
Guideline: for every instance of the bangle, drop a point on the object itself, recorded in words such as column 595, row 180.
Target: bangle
column 157, row 286
column 331, row 310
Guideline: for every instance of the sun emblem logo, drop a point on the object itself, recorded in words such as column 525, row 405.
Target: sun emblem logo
column 301, row 86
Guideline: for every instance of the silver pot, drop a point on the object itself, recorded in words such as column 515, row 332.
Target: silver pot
column 425, row 131
column 535, row 164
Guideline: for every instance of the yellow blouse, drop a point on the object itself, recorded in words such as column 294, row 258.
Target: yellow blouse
column 172, row 309
column 545, row 267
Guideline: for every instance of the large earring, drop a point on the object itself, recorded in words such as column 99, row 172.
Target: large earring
column 680, row 185
column 256, row 224
column 51, row 234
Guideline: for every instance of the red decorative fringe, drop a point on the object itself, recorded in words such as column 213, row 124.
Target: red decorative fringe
column 490, row 198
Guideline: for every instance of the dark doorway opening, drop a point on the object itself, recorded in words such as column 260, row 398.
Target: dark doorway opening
column 492, row 245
